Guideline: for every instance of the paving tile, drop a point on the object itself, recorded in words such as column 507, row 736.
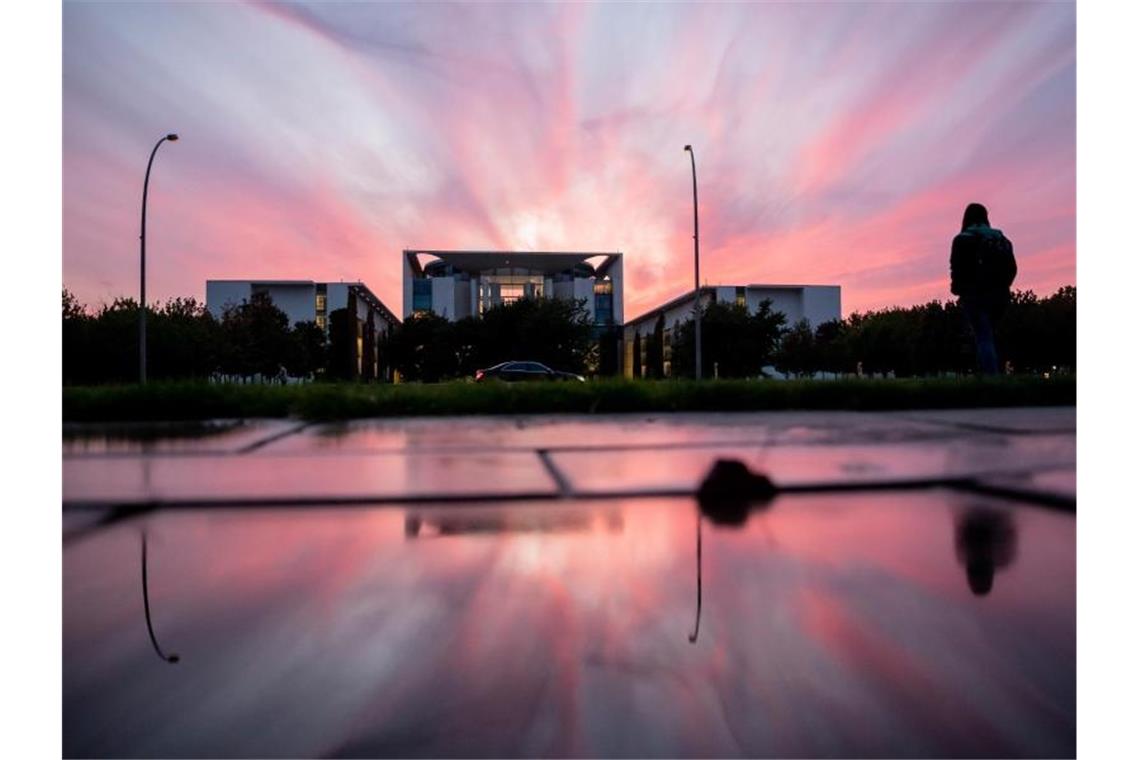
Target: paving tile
column 926, row 624
column 546, row 431
column 674, row 469
column 299, row 478
column 1060, row 483
column 210, row 437
column 1051, row 419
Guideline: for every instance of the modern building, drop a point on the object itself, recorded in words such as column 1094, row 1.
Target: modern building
column 458, row 284
column 309, row 301
column 815, row 303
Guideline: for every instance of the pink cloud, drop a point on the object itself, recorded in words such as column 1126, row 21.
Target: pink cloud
column 835, row 144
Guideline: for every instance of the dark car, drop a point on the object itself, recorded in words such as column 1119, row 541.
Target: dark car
column 520, row 371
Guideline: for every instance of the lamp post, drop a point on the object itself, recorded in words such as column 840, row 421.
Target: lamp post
column 142, row 263
column 696, row 261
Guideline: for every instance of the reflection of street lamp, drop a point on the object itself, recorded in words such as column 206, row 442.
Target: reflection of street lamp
column 142, row 263
column 171, row 658
column 696, row 261
column 697, row 624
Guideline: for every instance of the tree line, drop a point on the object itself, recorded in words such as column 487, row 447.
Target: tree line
column 554, row 331
column 1034, row 335
column 255, row 341
column 185, row 341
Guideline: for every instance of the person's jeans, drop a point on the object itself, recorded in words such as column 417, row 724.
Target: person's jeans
column 982, row 324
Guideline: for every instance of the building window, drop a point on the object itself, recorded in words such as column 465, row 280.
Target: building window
column 497, row 288
column 603, row 286
column 740, row 298
column 322, row 305
column 421, row 295
column 603, row 308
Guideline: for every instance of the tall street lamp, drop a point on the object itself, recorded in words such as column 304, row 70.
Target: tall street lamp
column 696, row 261
column 142, row 263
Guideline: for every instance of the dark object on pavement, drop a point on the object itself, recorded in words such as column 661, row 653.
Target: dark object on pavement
column 522, row 371
column 729, row 491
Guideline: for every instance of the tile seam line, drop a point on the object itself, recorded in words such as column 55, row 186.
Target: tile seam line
column 255, row 445
column 469, row 450
column 565, row 487
column 962, row 484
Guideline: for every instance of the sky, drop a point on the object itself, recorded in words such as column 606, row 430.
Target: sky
column 836, row 143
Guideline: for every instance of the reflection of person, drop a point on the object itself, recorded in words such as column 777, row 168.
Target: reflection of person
column 985, row 541
column 982, row 269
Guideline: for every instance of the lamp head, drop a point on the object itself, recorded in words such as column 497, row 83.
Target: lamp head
column 689, row 148
column 172, row 137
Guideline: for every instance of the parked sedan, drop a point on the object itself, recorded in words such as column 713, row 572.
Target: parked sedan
column 519, row 371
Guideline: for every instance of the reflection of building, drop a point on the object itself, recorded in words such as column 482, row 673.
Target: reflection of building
column 546, row 519
column 368, row 319
column 458, row 284
column 815, row 303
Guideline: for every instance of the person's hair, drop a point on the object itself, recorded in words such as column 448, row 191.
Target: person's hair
column 975, row 214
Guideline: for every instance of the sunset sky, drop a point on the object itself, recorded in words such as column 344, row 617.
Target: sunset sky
column 835, row 143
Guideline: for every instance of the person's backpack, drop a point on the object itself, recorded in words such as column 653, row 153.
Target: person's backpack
column 997, row 267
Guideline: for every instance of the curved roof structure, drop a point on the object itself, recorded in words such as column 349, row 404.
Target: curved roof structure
column 546, row 262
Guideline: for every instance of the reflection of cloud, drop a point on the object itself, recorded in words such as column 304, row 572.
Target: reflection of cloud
column 320, row 140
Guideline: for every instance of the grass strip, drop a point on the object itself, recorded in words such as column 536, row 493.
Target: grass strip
column 176, row 401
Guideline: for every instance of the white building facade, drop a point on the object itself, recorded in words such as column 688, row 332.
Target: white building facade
column 369, row 321
column 458, row 284
column 815, row 303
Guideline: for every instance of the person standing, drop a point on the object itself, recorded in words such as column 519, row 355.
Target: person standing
column 982, row 270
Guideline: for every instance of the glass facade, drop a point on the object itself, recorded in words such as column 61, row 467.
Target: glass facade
column 506, row 286
column 322, row 305
column 740, row 298
column 421, row 295
column 604, row 302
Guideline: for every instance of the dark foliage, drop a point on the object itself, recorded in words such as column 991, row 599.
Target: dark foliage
column 555, row 332
column 734, row 343
column 325, row 401
column 798, row 354
column 1033, row 335
column 182, row 341
column 309, row 350
column 424, row 348
column 256, row 339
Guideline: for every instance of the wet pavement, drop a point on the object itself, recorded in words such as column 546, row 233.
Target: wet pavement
column 550, row 586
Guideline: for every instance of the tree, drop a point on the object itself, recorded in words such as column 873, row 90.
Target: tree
column 256, row 338
column 341, row 356
column 75, row 340
column 554, row 331
column 112, row 351
column 308, row 350
column 734, row 342
column 609, row 361
column 655, row 351
column 183, row 341
column 637, row 355
column 467, row 341
column 423, row 348
column 831, row 347
column 797, row 354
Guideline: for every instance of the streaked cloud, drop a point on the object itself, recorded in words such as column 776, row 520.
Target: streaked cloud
column 836, row 143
